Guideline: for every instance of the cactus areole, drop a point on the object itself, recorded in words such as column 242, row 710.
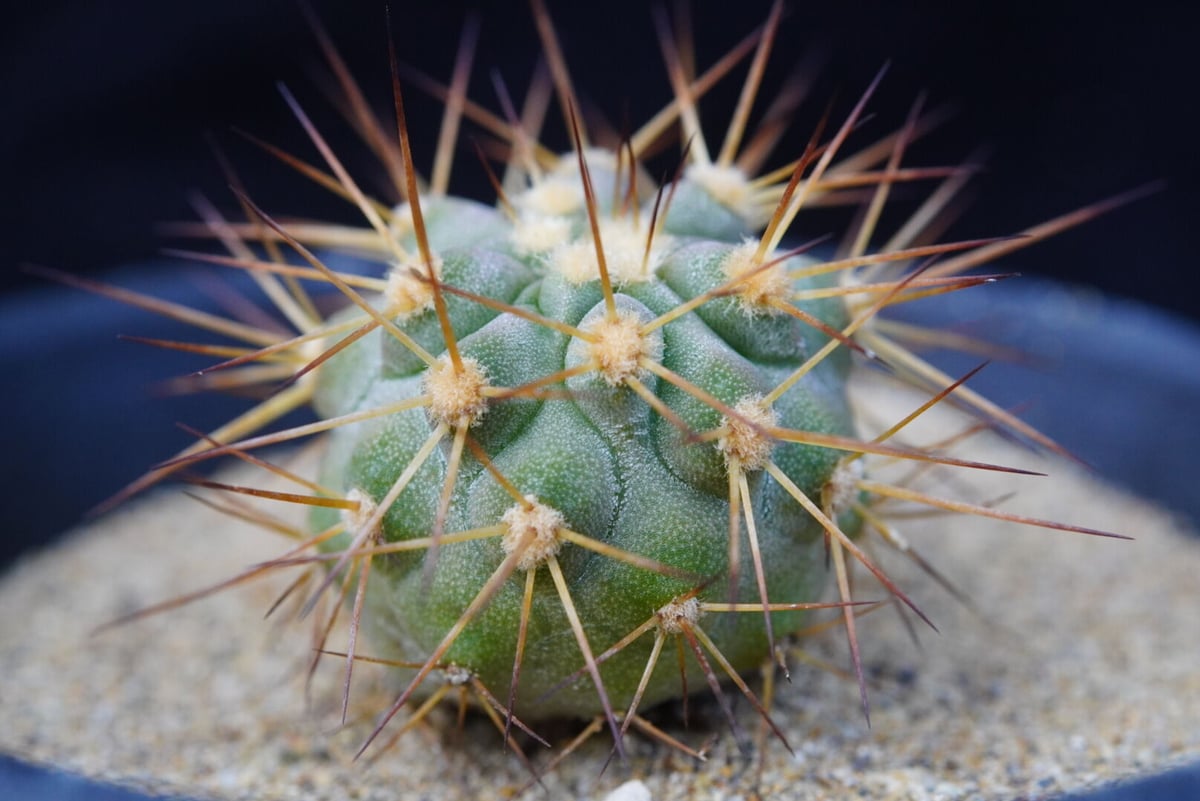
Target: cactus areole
column 596, row 452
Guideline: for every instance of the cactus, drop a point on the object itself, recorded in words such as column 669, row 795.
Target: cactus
column 603, row 417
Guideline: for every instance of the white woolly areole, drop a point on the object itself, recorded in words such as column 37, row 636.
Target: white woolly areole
column 743, row 440
column 624, row 242
column 355, row 519
column 677, row 614
column 560, row 191
column 728, row 185
column 540, row 520
column 455, row 394
column 539, row 233
column 408, row 289
column 553, row 196
column 576, row 261
column 841, row 490
column 619, row 347
column 761, row 288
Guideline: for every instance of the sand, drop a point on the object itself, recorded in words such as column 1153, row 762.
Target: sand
column 1080, row 669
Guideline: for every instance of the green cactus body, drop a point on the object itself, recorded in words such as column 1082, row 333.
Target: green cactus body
column 593, row 450
column 601, row 419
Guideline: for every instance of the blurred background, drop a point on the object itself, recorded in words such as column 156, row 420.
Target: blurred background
column 107, row 107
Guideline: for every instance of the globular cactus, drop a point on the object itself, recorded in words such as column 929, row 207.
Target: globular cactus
column 585, row 398
column 599, row 422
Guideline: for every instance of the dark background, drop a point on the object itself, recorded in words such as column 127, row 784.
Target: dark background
column 107, row 104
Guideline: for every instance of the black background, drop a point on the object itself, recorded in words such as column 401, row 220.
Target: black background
column 107, row 105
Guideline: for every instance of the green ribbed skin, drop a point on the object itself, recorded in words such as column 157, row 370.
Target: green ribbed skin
column 617, row 470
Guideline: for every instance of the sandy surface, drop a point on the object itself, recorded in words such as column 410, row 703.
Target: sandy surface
column 1082, row 669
